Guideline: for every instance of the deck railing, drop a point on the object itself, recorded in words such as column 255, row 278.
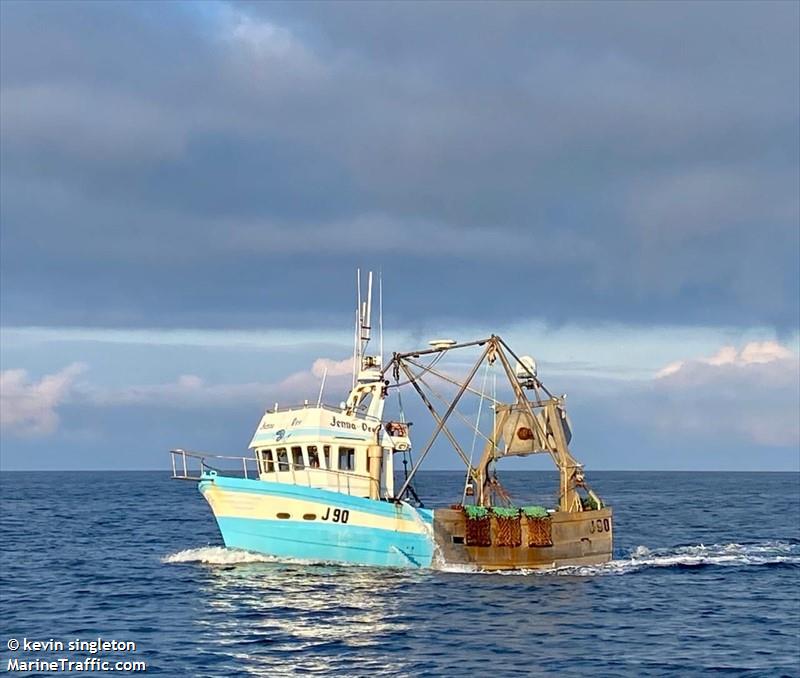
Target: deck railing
column 188, row 465
column 185, row 464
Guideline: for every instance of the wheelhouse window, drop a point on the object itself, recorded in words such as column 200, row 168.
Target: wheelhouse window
column 283, row 459
column 326, row 454
column 347, row 459
column 297, row 457
column 313, row 456
column 267, row 463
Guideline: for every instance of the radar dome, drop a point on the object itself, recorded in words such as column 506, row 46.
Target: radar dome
column 526, row 368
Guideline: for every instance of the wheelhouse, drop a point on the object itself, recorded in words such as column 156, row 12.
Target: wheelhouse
column 328, row 448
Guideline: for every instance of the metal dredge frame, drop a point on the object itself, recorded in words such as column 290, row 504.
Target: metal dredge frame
column 544, row 414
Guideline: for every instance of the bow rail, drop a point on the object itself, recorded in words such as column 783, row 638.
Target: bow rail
column 188, row 465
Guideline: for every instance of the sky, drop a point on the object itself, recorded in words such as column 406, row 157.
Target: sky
column 187, row 189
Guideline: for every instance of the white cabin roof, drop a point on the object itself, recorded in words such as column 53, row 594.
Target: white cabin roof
column 305, row 425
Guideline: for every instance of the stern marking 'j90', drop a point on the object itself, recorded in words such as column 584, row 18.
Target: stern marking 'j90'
column 599, row 525
column 337, row 516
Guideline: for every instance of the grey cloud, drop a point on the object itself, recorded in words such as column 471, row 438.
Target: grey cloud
column 631, row 162
column 88, row 125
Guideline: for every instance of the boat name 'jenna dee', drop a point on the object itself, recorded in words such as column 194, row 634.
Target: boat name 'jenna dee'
column 320, row 482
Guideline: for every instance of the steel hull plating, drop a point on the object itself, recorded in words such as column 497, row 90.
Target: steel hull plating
column 582, row 538
column 291, row 521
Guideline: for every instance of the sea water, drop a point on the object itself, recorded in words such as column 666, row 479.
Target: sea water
column 705, row 579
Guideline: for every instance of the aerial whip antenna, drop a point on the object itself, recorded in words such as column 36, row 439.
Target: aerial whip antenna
column 357, row 333
column 322, row 386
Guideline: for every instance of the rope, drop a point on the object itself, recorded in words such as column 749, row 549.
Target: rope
column 468, row 479
column 425, row 369
column 400, row 405
column 444, row 401
column 407, row 458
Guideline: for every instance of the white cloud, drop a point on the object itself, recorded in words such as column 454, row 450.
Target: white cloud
column 305, row 384
column 764, row 352
column 750, row 394
column 334, row 368
column 268, row 65
column 263, row 38
column 28, row 407
column 190, row 390
column 753, row 353
column 187, row 391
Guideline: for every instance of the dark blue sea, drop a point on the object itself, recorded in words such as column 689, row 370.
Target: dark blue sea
column 705, row 580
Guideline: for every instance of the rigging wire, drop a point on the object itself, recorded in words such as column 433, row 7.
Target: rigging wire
column 468, row 479
column 407, row 456
column 444, row 401
column 449, row 380
column 425, row 369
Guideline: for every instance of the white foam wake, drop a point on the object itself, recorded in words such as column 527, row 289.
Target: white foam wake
column 642, row 557
column 217, row 555
column 220, row 555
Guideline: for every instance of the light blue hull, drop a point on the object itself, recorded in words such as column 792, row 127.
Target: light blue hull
column 247, row 514
column 340, row 543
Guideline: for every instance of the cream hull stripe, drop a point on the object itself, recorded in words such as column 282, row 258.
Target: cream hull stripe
column 237, row 504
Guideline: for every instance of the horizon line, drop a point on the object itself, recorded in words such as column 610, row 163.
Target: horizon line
column 432, row 470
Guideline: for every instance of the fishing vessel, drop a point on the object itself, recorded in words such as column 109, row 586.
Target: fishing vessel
column 321, row 482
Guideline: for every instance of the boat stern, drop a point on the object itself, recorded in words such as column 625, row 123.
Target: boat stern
column 540, row 540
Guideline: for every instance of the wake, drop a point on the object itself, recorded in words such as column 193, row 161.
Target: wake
column 700, row 555
column 221, row 555
column 218, row 555
column 639, row 559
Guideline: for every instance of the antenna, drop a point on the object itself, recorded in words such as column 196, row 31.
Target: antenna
column 357, row 332
column 368, row 315
column 360, row 304
column 322, row 386
column 355, row 350
column 380, row 312
column 363, row 328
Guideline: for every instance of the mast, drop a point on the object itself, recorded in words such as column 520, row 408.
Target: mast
column 380, row 316
column 366, row 317
column 367, row 376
